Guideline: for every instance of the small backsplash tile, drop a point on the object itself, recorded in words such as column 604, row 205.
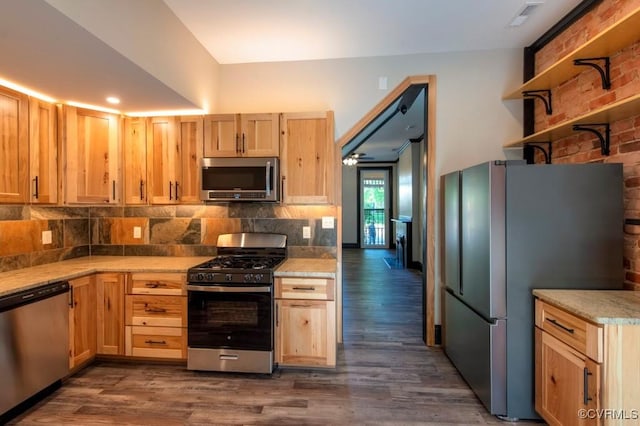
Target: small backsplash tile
column 183, row 230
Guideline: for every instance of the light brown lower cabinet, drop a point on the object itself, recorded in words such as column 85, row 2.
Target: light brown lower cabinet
column 585, row 373
column 82, row 320
column 305, row 322
column 110, row 288
column 156, row 316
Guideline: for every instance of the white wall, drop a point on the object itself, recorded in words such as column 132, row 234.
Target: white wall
column 148, row 33
column 472, row 121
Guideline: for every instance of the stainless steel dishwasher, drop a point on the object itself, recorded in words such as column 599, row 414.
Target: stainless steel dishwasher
column 34, row 342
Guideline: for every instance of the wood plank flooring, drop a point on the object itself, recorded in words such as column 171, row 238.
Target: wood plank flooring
column 385, row 375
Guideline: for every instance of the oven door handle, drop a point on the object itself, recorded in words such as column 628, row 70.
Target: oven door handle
column 228, row 289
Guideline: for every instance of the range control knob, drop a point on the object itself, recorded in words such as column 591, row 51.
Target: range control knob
column 258, row 277
column 200, row 277
column 247, row 277
column 209, row 277
column 228, row 277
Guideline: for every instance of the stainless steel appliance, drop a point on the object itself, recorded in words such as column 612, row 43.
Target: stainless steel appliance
column 509, row 228
column 34, row 342
column 230, row 308
column 240, row 179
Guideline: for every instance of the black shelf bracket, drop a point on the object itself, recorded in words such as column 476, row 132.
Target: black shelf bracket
column 540, row 94
column 604, row 139
column 605, row 73
column 528, row 148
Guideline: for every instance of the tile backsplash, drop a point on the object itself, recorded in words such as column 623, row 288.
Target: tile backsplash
column 183, row 230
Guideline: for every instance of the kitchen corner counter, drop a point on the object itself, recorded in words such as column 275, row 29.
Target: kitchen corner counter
column 618, row 307
column 27, row 278
column 307, row 267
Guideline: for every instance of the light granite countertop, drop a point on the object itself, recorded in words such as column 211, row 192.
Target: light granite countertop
column 27, row 278
column 618, row 307
column 307, row 267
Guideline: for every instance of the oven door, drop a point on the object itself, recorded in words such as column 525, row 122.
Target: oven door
column 224, row 317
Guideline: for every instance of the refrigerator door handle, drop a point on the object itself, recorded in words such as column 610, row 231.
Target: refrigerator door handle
column 460, row 272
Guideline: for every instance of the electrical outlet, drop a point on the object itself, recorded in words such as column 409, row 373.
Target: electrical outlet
column 327, row 222
column 47, row 237
column 306, row 232
column 137, row 232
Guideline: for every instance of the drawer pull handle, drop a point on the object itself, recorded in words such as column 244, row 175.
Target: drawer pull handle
column 155, row 342
column 557, row 324
column 155, row 310
column 301, row 306
column 305, row 288
column 228, row 357
column 585, row 375
column 155, row 284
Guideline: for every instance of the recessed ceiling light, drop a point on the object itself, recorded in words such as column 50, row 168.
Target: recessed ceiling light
column 113, row 100
column 525, row 11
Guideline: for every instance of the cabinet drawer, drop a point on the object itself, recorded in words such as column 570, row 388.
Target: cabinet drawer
column 156, row 342
column 305, row 288
column 163, row 311
column 576, row 332
column 158, row 283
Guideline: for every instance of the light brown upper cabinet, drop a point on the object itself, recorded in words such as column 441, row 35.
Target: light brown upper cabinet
column 135, row 161
column 190, row 142
column 43, row 152
column 91, row 141
column 307, row 158
column 173, row 147
column 241, row 135
column 14, row 145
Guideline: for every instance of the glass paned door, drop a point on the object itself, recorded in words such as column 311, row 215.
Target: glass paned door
column 374, row 214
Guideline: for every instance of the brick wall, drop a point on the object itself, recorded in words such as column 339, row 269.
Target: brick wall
column 583, row 94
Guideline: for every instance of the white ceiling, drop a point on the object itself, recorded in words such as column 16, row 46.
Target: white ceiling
column 73, row 49
column 242, row 31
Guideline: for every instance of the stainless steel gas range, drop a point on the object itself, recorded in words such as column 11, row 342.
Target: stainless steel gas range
column 231, row 304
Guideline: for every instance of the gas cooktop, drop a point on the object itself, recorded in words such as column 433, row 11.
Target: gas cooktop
column 242, row 258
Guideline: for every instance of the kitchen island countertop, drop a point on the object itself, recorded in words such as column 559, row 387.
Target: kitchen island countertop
column 619, row 307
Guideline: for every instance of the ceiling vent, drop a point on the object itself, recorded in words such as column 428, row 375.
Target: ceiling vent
column 526, row 10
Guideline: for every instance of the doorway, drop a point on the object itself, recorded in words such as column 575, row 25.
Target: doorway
column 375, row 207
column 425, row 222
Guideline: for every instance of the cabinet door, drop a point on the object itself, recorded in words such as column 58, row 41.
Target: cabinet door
column 43, row 148
column 135, row 161
column 221, row 135
column 82, row 320
column 190, row 141
column 110, row 313
column 305, row 333
column 14, row 145
column 260, row 135
column 307, row 158
column 566, row 382
column 91, row 154
column 163, row 154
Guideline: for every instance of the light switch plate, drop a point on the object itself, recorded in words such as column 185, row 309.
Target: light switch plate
column 306, row 232
column 137, row 232
column 327, row 222
column 47, row 237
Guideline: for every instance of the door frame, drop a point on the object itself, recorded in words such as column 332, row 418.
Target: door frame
column 428, row 183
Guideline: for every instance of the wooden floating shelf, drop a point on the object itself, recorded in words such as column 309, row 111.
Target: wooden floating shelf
column 618, row 36
column 612, row 112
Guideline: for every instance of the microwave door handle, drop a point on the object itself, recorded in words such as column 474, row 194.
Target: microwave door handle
column 268, row 177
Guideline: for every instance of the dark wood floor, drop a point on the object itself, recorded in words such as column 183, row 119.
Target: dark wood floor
column 385, row 375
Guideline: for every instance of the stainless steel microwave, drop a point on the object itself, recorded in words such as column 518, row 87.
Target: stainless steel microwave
column 240, row 179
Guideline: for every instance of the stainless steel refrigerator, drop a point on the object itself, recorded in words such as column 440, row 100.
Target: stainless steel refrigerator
column 510, row 227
